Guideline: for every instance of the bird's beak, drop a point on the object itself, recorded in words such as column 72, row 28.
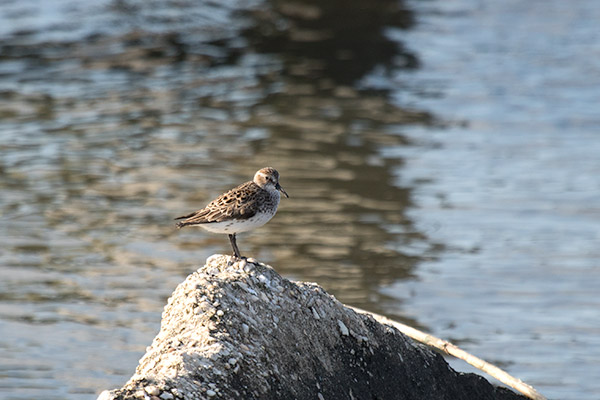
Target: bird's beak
column 278, row 187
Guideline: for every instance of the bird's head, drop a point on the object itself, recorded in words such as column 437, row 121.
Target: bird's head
column 268, row 179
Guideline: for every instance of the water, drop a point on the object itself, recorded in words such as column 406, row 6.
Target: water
column 441, row 159
column 511, row 186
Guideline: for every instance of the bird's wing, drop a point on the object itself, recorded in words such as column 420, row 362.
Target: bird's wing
column 235, row 204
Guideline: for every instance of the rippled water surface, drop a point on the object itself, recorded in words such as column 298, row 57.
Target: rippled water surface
column 441, row 158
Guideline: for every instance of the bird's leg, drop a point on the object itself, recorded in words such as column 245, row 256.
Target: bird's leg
column 236, row 251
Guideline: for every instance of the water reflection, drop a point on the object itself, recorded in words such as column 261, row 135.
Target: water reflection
column 117, row 117
column 331, row 43
column 345, row 225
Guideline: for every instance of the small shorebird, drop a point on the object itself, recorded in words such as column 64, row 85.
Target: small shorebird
column 246, row 207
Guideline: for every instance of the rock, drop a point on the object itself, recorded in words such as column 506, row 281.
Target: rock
column 152, row 390
column 268, row 343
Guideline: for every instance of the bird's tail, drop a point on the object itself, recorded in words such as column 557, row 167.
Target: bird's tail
column 181, row 224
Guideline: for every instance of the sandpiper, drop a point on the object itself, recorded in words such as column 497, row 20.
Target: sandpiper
column 246, row 207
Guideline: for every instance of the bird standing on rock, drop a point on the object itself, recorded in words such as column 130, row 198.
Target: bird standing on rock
column 246, row 207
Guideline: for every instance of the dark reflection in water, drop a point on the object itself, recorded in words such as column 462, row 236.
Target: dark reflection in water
column 117, row 117
column 345, row 225
column 335, row 41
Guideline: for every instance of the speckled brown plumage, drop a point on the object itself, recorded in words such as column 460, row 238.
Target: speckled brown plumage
column 242, row 202
column 246, row 207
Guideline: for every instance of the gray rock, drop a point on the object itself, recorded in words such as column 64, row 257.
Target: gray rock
column 232, row 331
